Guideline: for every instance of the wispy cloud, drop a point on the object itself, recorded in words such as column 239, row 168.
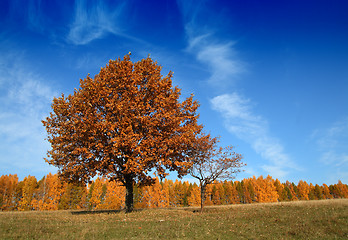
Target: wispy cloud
column 93, row 21
column 331, row 143
column 25, row 101
column 218, row 56
column 35, row 15
column 242, row 122
column 30, row 13
column 333, row 137
column 80, row 21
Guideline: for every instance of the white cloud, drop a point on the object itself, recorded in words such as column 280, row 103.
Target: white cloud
column 237, row 110
column 242, row 122
column 218, row 56
column 25, row 101
column 333, row 158
column 93, row 22
column 331, row 143
column 333, row 137
column 220, row 59
column 276, row 172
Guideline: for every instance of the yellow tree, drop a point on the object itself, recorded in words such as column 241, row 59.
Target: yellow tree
column 169, row 186
column 8, row 184
column 318, row 192
column 194, row 197
column 303, row 190
column 208, row 196
column 73, row 196
column 231, row 193
column 282, row 193
column 155, row 196
column 311, row 194
column 140, row 200
column 273, row 195
column 292, row 191
column 180, row 191
column 121, row 124
column 165, row 195
column 342, row 189
column 146, row 197
column 48, row 194
column 160, row 194
column 234, row 195
column 96, row 200
column 28, row 186
column 265, row 189
column 218, row 193
column 240, row 190
column 115, row 194
column 326, row 192
column 249, row 190
column 227, row 186
column 155, row 192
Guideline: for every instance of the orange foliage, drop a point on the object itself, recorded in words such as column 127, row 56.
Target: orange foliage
column 194, row 197
column 218, row 193
column 208, row 195
column 27, row 189
column 74, row 196
column 8, row 186
column 114, row 197
column 48, row 194
column 121, row 124
column 280, row 188
column 265, row 190
column 179, row 191
column 292, row 191
column 343, row 189
column 97, row 194
column 326, row 192
column 51, row 194
column 231, row 193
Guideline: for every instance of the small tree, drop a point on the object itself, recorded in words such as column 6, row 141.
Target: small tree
column 213, row 163
column 123, row 124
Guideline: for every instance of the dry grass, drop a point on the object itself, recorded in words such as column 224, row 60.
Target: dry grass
column 326, row 219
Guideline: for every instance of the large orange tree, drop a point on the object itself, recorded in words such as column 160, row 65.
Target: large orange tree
column 122, row 124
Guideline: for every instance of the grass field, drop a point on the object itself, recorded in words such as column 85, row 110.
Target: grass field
column 325, row 219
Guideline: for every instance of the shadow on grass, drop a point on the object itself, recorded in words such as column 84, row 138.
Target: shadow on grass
column 207, row 209
column 91, row 212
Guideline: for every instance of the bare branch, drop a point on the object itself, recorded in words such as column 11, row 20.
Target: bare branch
column 212, row 163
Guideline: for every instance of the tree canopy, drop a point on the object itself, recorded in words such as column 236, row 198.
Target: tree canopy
column 122, row 124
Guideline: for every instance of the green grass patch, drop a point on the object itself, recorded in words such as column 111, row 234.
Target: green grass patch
column 325, row 219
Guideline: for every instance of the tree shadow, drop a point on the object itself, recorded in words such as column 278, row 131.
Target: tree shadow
column 91, row 212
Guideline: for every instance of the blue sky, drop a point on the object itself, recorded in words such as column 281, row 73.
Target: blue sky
column 271, row 76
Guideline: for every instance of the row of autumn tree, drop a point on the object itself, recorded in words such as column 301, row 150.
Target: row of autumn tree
column 50, row 193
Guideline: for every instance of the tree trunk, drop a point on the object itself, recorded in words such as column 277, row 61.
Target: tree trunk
column 203, row 186
column 129, row 192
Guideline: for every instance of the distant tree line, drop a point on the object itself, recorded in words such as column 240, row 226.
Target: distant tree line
column 50, row 193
